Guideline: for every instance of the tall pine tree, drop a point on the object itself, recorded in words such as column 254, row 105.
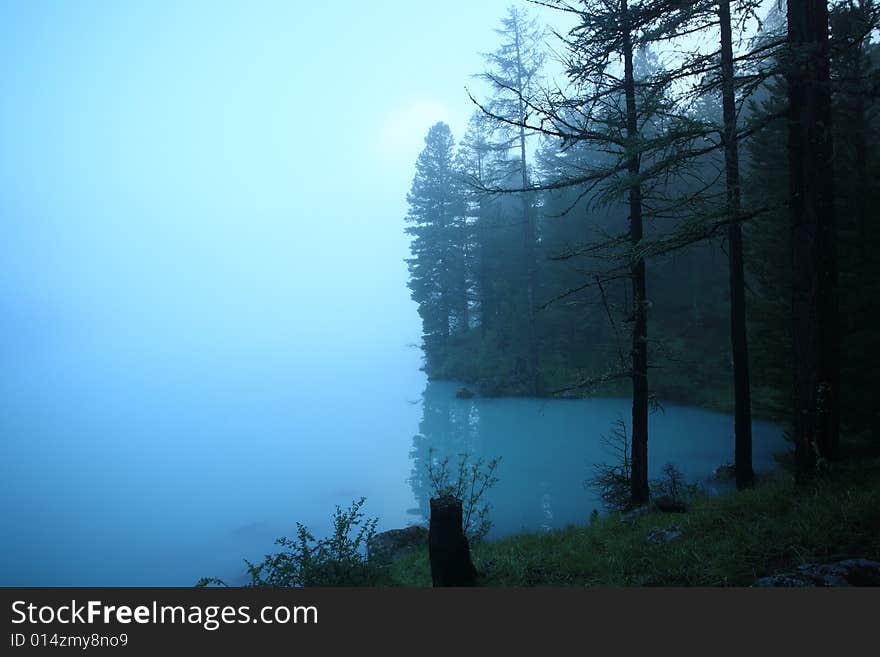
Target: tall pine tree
column 438, row 225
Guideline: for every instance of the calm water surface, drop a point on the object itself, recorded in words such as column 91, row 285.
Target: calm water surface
column 161, row 474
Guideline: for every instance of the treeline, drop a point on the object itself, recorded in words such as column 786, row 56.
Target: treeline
column 681, row 221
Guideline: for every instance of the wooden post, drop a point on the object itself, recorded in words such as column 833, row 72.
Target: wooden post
column 448, row 547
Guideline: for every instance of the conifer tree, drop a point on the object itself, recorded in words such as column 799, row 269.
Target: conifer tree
column 437, row 223
column 514, row 69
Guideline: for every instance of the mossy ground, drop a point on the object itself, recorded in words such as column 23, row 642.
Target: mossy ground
column 728, row 540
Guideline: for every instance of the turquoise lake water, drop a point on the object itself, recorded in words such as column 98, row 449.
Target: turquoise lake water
column 163, row 473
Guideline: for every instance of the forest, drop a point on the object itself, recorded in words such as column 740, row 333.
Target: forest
column 686, row 214
column 560, row 292
column 668, row 203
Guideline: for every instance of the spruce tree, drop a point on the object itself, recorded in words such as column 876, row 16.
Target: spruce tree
column 437, row 224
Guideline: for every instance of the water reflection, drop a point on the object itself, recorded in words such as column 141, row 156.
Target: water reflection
column 548, row 448
column 449, row 428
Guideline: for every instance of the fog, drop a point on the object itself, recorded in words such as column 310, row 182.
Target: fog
column 205, row 326
column 211, row 183
column 202, row 202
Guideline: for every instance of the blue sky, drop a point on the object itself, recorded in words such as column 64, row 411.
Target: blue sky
column 182, row 176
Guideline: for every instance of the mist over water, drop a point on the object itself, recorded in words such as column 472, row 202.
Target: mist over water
column 125, row 473
column 205, row 329
column 131, row 473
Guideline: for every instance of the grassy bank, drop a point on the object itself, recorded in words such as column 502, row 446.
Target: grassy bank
column 728, row 540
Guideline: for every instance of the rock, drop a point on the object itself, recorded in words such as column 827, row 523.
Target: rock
column 849, row 572
column 861, row 572
column 824, row 574
column 387, row 546
column 464, row 393
column 724, row 472
column 657, row 536
column 669, row 504
column 782, row 580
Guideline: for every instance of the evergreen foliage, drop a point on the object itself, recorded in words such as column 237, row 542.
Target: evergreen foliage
column 564, row 296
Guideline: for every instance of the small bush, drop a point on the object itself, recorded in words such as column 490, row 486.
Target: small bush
column 612, row 482
column 468, row 483
column 339, row 560
column 672, row 484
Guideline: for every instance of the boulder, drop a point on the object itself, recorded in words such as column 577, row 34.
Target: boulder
column 724, row 472
column 861, row 572
column 464, row 393
column 827, row 574
column 387, row 546
column 788, row 581
column 849, row 572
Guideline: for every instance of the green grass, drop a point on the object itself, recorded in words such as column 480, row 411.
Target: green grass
column 728, row 540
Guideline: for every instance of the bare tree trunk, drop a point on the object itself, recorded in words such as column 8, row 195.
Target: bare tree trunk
column 854, row 89
column 815, row 334
column 484, row 286
column 528, row 232
column 861, row 162
column 447, row 299
column 465, row 315
column 448, row 547
column 487, row 305
column 639, row 489
column 738, row 341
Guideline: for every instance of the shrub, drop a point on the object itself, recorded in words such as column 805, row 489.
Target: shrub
column 339, row 560
column 470, row 483
column 672, row 483
column 612, row 482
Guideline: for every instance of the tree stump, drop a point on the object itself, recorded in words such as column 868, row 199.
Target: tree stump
column 448, row 547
